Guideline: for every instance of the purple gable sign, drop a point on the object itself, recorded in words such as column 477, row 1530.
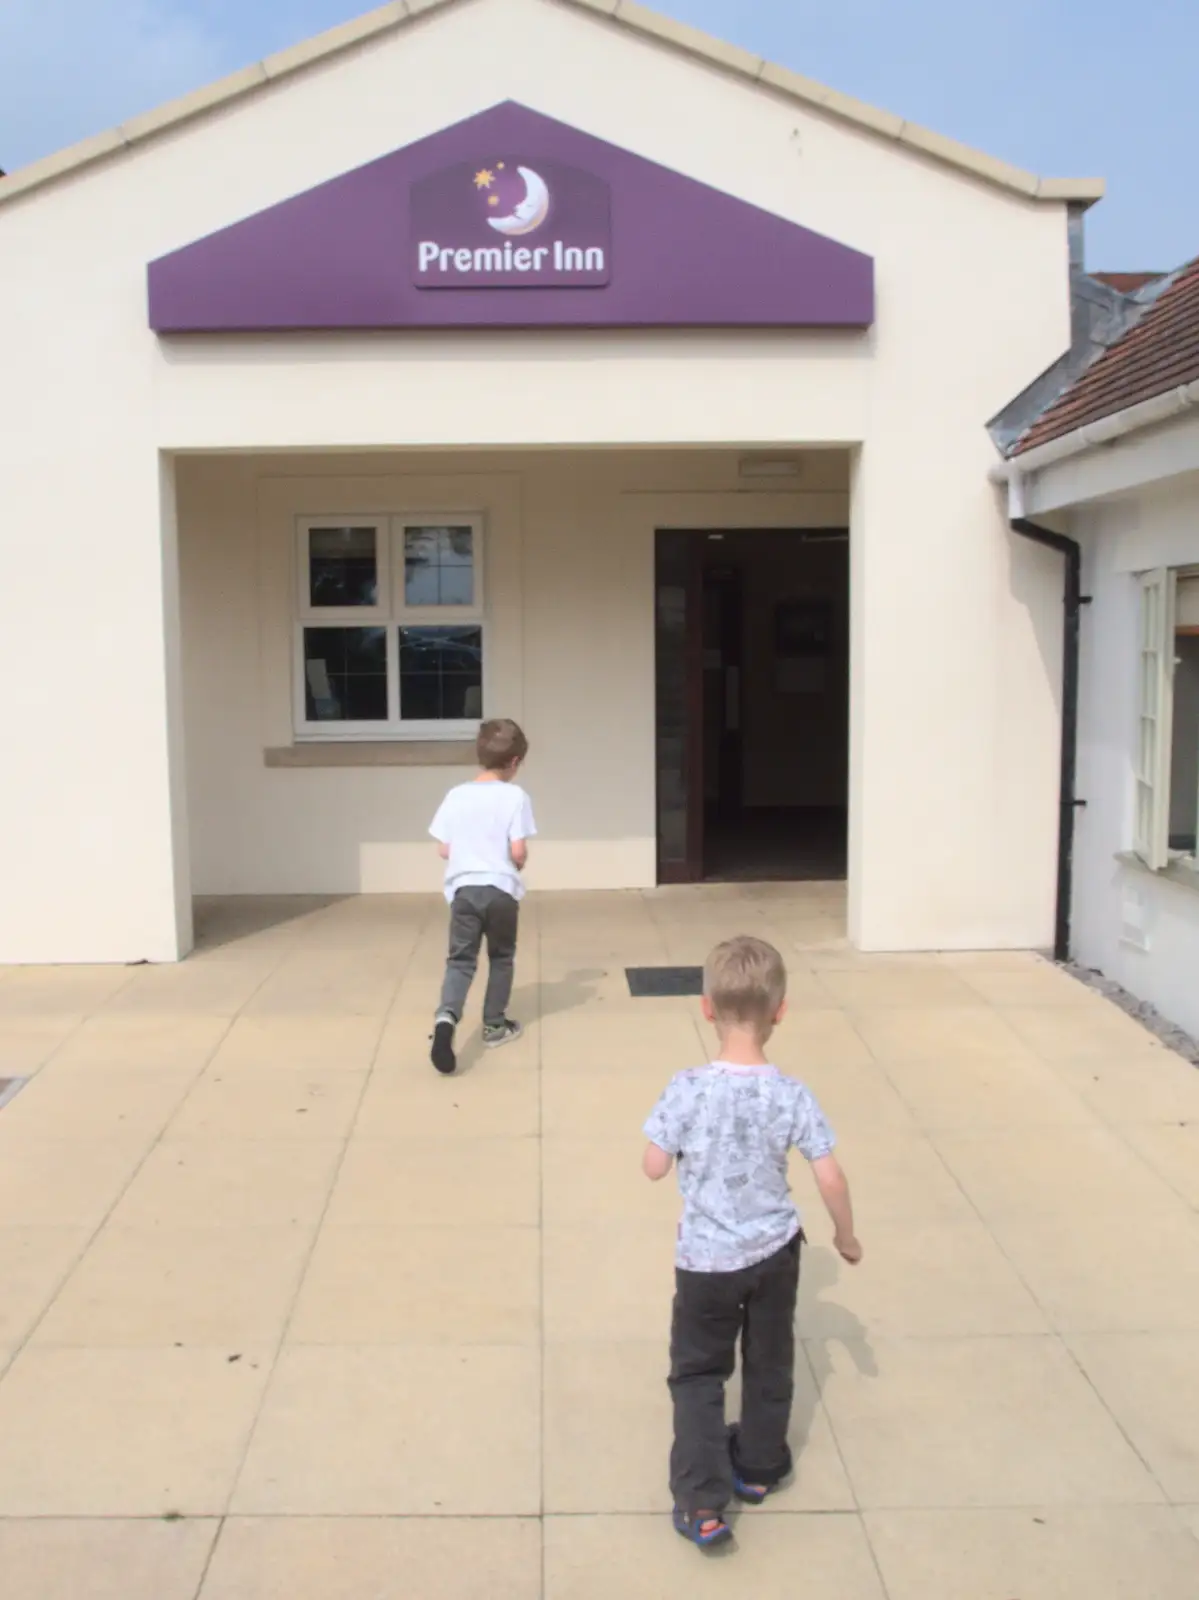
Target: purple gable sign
column 533, row 225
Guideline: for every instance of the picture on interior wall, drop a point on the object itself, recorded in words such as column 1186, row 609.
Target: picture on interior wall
column 803, row 628
column 803, row 631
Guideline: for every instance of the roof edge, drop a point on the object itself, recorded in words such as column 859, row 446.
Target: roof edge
column 628, row 14
column 1098, row 433
column 1137, row 313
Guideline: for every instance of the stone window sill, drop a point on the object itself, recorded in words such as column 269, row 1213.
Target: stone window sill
column 1184, row 873
column 384, row 753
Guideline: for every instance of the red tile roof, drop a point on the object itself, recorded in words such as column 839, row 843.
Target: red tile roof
column 1127, row 282
column 1157, row 354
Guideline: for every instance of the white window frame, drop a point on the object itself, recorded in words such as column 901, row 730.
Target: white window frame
column 1155, row 718
column 391, row 613
column 1183, row 604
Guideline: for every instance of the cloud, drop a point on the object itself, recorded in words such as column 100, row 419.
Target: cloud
column 69, row 68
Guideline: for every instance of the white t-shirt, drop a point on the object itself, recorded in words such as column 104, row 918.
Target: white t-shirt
column 479, row 821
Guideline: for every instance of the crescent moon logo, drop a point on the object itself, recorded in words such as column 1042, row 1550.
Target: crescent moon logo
column 528, row 214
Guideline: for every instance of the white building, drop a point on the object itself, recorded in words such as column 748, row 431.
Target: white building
column 1114, row 465
column 527, row 357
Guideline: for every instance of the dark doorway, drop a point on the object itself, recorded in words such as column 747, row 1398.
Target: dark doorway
column 752, row 704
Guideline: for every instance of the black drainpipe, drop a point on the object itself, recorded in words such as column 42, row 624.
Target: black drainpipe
column 1073, row 601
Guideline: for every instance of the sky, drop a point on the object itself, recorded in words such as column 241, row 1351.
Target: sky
column 1065, row 88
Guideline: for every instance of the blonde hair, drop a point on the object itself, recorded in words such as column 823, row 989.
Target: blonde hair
column 500, row 743
column 745, row 981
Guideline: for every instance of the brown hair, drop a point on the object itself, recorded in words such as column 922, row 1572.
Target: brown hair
column 500, row 743
column 745, row 981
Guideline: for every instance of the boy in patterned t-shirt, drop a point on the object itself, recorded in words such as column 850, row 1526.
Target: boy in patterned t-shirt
column 730, row 1126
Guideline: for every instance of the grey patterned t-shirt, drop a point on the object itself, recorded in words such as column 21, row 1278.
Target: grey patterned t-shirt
column 731, row 1129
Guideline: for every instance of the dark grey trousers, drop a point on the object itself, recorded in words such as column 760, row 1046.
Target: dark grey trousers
column 477, row 913
column 712, row 1311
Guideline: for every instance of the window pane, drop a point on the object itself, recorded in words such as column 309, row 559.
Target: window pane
column 1184, row 748
column 439, row 566
column 441, row 674
column 343, row 567
column 345, row 674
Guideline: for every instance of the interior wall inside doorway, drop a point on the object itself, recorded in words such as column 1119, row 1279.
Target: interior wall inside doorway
column 776, row 703
column 795, row 708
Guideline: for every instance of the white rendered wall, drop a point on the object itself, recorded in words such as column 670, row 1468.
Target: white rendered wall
column 93, row 851
column 1120, row 540
column 954, row 650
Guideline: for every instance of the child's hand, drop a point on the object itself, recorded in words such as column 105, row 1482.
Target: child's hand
column 848, row 1249
column 656, row 1163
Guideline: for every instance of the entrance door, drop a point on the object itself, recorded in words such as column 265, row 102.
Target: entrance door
column 752, row 704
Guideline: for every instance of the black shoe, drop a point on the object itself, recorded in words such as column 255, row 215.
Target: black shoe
column 442, row 1054
column 497, row 1033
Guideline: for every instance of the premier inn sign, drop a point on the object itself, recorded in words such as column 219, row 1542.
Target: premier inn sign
column 509, row 224
column 532, row 224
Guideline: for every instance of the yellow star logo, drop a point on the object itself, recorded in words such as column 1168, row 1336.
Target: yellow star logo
column 484, row 179
column 493, row 199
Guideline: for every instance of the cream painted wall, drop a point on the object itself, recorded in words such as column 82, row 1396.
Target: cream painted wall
column 953, row 767
column 570, row 647
column 1121, row 539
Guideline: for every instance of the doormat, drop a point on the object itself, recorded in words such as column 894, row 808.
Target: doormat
column 659, row 983
column 9, row 1087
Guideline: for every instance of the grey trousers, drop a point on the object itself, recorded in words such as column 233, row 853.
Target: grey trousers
column 478, row 913
column 712, row 1310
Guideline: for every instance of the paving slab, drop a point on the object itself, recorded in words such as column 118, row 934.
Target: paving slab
column 594, row 1558
column 125, row 1432
column 361, row 1558
column 54, row 1558
column 1036, row 1553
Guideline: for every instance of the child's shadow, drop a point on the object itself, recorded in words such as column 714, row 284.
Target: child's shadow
column 533, row 1001
column 822, row 1322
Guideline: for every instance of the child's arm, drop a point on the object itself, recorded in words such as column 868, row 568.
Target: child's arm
column 441, row 827
column 813, row 1138
column 656, row 1162
column 523, row 829
column 665, row 1129
column 834, row 1191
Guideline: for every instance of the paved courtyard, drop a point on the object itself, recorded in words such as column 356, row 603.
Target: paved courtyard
column 284, row 1316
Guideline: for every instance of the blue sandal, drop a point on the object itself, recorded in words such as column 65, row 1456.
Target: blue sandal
column 752, row 1494
column 703, row 1531
column 748, row 1492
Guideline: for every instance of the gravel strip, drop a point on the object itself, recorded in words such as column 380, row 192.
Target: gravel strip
column 1148, row 1016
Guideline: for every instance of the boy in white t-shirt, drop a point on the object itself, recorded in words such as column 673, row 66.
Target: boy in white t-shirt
column 482, row 830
